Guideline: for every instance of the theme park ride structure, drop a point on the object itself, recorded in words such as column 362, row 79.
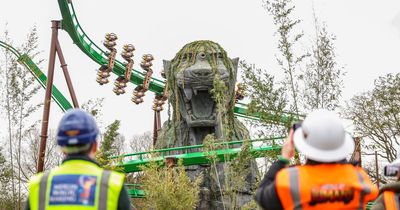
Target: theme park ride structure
column 40, row 77
column 154, row 85
column 132, row 162
column 144, row 81
column 71, row 25
column 47, row 83
column 140, row 158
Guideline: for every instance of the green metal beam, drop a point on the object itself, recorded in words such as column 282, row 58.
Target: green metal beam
column 26, row 61
column 193, row 155
column 134, row 192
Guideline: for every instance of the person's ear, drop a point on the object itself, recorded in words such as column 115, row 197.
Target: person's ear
column 94, row 147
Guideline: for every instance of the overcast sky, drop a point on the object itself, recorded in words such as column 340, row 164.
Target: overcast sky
column 368, row 40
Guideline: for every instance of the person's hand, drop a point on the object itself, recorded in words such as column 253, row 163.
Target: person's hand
column 288, row 150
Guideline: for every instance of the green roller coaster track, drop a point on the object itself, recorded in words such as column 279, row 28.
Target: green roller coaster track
column 71, row 25
column 190, row 155
column 26, row 61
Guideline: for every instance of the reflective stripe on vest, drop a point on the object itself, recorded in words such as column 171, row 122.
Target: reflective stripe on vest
column 365, row 190
column 324, row 186
column 294, row 184
column 391, row 200
column 42, row 191
column 104, row 190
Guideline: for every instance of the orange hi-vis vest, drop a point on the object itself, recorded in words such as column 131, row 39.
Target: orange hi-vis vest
column 324, row 186
column 391, row 200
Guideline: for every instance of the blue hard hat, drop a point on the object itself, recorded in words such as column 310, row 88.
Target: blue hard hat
column 77, row 127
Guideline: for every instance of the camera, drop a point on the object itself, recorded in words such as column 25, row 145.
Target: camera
column 391, row 170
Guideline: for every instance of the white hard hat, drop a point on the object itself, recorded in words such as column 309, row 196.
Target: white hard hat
column 322, row 137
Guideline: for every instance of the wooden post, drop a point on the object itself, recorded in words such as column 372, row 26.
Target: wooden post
column 356, row 156
column 377, row 169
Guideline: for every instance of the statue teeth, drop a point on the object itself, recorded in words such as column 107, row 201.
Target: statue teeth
column 188, row 93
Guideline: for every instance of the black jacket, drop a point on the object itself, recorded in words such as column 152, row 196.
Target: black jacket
column 266, row 195
column 123, row 201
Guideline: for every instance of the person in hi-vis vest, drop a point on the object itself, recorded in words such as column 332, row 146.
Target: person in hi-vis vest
column 389, row 197
column 79, row 182
column 326, row 180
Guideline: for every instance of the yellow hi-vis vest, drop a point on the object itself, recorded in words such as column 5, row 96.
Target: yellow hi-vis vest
column 76, row 185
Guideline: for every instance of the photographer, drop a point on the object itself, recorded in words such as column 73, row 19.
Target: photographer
column 326, row 181
column 389, row 194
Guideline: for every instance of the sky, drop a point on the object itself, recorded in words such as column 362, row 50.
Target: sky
column 367, row 45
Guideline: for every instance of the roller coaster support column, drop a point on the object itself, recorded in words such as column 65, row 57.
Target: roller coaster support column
column 66, row 75
column 54, row 49
column 157, row 126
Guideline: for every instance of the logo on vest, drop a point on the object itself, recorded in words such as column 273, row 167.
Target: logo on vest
column 73, row 190
column 331, row 193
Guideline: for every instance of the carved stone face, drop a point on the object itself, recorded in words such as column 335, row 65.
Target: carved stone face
column 194, row 82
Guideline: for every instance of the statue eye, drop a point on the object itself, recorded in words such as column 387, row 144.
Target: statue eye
column 220, row 55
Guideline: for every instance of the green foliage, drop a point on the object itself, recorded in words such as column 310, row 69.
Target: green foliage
column 93, row 106
column 252, row 205
column 108, row 146
column 318, row 86
column 6, row 201
column 288, row 39
column 234, row 171
column 267, row 98
column 376, row 116
column 169, row 188
column 18, row 90
column 322, row 78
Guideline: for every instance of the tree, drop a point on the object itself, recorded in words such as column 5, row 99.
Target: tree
column 322, row 78
column 20, row 88
column 94, row 107
column 6, row 196
column 53, row 155
column 139, row 143
column 267, row 98
column 376, row 117
column 288, row 39
column 108, row 145
column 169, row 188
column 142, row 142
column 7, row 100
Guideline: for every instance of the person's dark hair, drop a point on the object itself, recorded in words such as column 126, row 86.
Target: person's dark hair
column 84, row 152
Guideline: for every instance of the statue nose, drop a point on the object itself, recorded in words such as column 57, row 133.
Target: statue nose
column 202, row 73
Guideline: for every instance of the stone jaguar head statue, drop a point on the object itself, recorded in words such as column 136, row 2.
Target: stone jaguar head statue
column 201, row 84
